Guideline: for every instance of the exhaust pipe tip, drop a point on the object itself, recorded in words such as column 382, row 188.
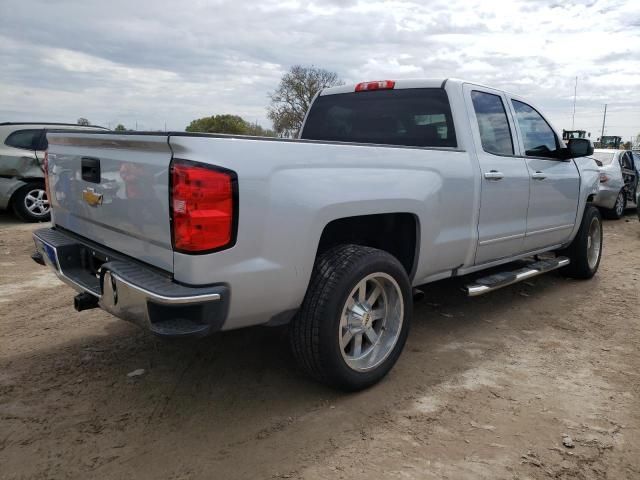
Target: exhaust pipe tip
column 85, row 301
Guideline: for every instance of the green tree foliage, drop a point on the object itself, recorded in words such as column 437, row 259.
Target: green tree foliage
column 291, row 100
column 231, row 124
column 120, row 128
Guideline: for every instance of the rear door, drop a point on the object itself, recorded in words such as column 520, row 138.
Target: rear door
column 555, row 183
column 504, row 193
column 18, row 156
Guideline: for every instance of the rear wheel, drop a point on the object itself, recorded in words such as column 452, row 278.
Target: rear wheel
column 619, row 207
column 31, row 203
column 355, row 317
column 585, row 251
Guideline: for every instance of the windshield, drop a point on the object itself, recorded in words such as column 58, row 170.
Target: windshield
column 419, row 117
column 604, row 157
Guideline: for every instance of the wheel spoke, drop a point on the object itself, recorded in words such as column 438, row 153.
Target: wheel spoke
column 346, row 338
column 371, row 335
column 377, row 314
column 40, row 194
column 374, row 353
column 357, row 345
column 362, row 291
column 374, row 296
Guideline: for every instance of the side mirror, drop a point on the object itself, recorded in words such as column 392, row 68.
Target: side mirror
column 579, row 147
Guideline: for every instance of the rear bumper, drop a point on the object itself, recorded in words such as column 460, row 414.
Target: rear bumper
column 133, row 291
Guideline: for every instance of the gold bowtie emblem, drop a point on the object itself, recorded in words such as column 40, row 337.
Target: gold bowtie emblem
column 91, row 197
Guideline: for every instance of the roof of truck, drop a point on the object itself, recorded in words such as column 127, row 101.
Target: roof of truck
column 403, row 83
column 3, row 124
column 439, row 82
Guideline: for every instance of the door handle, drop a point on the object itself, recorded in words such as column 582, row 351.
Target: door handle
column 493, row 175
column 538, row 176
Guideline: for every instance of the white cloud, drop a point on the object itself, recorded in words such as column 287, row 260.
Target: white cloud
column 159, row 61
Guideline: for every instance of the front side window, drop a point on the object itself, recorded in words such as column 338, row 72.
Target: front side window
column 493, row 124
column 418, row 117
column 538, row 137
column 25, row 139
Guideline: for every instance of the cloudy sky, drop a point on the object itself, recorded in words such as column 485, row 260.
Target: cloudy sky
column 157, row 62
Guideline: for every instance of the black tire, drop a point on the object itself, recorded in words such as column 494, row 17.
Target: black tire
column 315, row 330
column 22, row 199
column 617, row 212
column 578, row 250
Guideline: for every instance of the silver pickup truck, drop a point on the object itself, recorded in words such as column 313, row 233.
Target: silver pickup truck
column 392, row 184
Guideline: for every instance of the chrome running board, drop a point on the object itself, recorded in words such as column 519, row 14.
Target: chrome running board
column 502, row 279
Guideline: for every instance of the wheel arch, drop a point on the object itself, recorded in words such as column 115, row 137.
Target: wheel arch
column 397, row 233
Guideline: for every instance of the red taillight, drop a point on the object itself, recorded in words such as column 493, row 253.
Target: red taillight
column 377, row 85
column 203, row 206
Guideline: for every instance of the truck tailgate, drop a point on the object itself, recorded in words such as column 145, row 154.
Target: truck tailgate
column 114, row 189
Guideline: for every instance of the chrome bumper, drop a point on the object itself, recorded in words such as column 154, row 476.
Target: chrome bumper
column 132, row 291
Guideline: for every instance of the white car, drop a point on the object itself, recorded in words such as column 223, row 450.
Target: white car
column 22, row 147
column 618, row 180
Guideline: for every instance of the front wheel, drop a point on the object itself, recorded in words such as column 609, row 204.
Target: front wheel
column 585, row 251
column 355, row 317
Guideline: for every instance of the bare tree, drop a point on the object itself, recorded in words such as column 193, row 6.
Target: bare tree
column 291, row 100
column 83, row 121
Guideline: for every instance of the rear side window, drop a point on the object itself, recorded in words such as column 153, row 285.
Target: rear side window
column 25, row 139
column 537, row 136
column 417, row 117
column 605, row 158
column 493, row 124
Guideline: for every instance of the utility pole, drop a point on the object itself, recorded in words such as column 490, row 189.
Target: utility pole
column 604, row 119
column 575, row 89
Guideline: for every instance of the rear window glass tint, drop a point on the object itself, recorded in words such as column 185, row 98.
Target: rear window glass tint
column 25, row 139
column 417, row 117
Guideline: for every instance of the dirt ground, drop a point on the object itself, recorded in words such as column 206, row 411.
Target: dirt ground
column 486, row 387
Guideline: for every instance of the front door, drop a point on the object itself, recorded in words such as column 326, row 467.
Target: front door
column 555, row 183
column 504, row 179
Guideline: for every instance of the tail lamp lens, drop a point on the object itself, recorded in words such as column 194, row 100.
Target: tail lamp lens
column 203, row 204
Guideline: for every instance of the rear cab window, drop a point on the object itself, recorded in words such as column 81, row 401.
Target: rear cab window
column 29, row 139
column 416, row 117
